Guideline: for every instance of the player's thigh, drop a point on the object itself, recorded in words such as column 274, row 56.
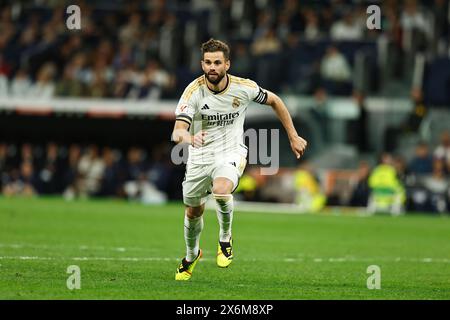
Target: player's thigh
column 196, row 185
column 232, row 167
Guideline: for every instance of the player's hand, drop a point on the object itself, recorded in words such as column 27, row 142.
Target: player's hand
column 198, row 139
column 298, row 146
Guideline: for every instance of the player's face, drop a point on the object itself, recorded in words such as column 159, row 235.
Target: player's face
column 215, row 66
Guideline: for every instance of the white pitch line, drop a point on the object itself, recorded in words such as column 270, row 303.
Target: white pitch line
column 80, row 247
column 135, row 259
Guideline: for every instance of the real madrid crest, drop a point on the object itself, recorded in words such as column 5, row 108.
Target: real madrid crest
column 236, row 103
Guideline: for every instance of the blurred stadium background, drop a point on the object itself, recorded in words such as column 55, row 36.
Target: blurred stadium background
column 88, row 113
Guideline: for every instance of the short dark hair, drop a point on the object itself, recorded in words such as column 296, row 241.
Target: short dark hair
column 213, row 45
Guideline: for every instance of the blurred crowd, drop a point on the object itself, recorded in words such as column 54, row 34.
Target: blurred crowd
column 397, row 183
column 150, row 49
column 78, row 171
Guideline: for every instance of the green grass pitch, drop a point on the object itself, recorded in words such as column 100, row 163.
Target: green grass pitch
column 130, row 251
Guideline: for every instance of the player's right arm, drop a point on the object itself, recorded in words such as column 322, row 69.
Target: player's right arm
column 185, row 112
column 181, row 134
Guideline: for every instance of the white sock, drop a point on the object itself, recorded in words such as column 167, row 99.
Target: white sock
column 192, row 230
column 224, row 212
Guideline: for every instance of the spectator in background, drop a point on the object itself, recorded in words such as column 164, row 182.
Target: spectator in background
column 98, row 87
column 70, row 170
column 67, row 50
column 122, row 85
column 263, row 24
column 327, row 18
column 387, row 193
column 81, row 70
column 319, row 112
column 413, row 19
column 21, row 182
column 104, row 53
column 357, row 128
column 7, row 28
column 361, row 191
column 442, row 151
column 148, row 45
column 159, row 169
column 49, row 171
column 21, row 84
column 155, row 81
column 137, row 185
column 401, row 166
column 310, row 197
column 334, row 66
column 90, row 168
column 268, row 43
column 109, row 180
column 266, row 50
column 347, row 28
column 26, row 153
column 437, row 185
column 130, row 33
column 124, row 57
column 441, row 14
column 312, row 29
column 27, row 43
column 242, row 62
column 89, row 173
column 283, row 28
column 44, row 87
column 411, row 124
column 336, row 72
column 392, row 30
column 417, row 29
column 422, row 162
column 100, row 76
column 134, row 164
column 170, row 40
column 69, row 86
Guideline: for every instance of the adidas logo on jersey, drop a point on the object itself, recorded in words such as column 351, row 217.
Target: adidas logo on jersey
column 205, row 107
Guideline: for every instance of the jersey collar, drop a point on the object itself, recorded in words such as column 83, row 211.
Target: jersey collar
column 221, row 91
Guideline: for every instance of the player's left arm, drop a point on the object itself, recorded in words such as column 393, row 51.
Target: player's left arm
column 298, row 144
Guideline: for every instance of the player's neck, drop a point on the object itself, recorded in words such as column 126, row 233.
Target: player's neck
column 220, row 86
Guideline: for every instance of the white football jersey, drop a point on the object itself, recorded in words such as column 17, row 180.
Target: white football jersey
column 220, row 114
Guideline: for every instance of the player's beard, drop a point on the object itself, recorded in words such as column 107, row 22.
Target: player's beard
column 215, row 79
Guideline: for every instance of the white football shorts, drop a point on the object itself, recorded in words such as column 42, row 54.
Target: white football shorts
column 198, row 179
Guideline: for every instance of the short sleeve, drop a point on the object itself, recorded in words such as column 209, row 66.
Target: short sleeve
column 257, row 94
column 187, row 105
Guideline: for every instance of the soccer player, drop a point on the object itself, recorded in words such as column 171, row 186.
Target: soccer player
column 210, row 117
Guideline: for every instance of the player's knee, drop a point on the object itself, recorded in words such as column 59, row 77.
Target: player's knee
column 222, row 188
column 222, row 185
column 194, row 212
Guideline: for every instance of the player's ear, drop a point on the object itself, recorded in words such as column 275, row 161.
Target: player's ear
column 227, row 64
